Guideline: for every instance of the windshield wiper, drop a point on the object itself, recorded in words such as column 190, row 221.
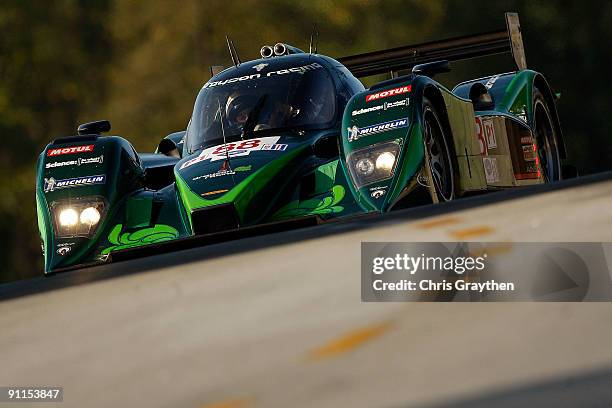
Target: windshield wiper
column 253, row 117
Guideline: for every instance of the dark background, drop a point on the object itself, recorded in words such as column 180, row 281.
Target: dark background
column 141, row 64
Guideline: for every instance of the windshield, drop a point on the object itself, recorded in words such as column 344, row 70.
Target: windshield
column 238, row 106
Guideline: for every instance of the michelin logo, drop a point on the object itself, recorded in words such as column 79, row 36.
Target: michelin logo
column 52, row 184
column 355, row 133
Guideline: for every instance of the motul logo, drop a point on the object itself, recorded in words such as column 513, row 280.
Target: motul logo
column 70, row 150
column 390, row 92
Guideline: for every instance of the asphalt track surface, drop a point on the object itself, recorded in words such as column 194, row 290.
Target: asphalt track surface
column 278, row 321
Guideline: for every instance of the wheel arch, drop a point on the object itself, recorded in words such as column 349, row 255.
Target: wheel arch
column 434, row 95
column 542, row 84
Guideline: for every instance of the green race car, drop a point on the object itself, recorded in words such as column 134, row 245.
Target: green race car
column 294, row 139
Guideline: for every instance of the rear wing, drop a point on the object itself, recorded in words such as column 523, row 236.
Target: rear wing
column 453, row 49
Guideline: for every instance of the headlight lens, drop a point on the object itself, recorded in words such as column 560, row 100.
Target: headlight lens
column 77, row 218
column 365, row 166
column 374, row 163
column 89, row 216
column 68, row 217
column 385, row 161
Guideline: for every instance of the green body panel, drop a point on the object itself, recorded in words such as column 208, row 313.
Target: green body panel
column 329, row 197
column 112, row 157
column 243, row 193
column 138, row 212
column 512, row 93
column 363, row 113
column 141, row 236
column 519, row 96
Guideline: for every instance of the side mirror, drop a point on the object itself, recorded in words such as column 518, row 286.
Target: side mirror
column 94, row 128
column 480, row 97
column 169, row 148
column 326, row 147
column 430, row 69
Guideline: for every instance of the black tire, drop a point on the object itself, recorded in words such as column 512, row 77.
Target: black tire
column 546, row 138
column 438, row 153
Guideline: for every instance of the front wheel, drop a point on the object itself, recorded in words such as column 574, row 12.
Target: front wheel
column 547, row 141
column 439, row 162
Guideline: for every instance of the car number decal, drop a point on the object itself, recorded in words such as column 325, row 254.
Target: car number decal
column 234, row 149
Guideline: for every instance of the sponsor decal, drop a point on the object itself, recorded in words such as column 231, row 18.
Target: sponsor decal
column 384, row 106
column 91, row 160
column 402, row 102
column 489, row 131
column 482, row 143
column 69, row 150
column 223, row 172
column 422, row 179
column 367, row 110
column 481, row 135
column 530, row 153
column 52, row 184
column 298, row 70
column 355, row 133
column 377, row 192
column 234, row 149
column 219, row 173
column 215, row 192
column 63, row 249
column 243, row 168
column 491, row 170
column 77, row 162
column 278, row 146
column 389, row 92
column 259, row 67
column 491, row 81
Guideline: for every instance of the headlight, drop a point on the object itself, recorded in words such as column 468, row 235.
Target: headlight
column 374, row 163
column 89, row 216
column 68, row 217
column 385, row 161
column 365, row 166
column 77, row 218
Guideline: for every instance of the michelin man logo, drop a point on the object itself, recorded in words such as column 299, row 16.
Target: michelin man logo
column 49, row 184
column 353, row 133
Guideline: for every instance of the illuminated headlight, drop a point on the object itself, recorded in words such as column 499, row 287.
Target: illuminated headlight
column 385, row 161
column 68, row 217
column 77, row 218
column 90, row 216
column 374, row 163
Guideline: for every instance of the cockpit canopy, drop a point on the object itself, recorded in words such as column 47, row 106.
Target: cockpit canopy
column 289, row 92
